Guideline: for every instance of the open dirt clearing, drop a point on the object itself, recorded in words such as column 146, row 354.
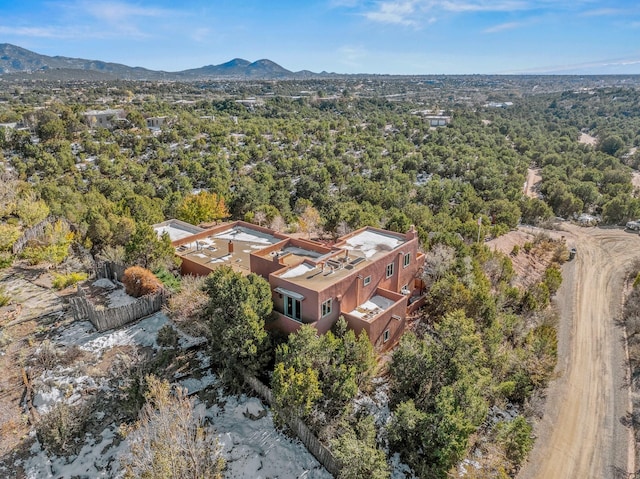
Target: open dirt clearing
column 583, row 433
column 531, row 187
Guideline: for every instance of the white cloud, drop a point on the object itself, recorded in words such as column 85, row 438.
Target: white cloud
column 400, row 12
column 502, row 27
column 419, row 12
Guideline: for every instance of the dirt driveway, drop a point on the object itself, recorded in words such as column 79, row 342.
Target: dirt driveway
column 583, row 434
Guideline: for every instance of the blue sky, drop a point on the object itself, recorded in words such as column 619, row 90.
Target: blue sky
column 344, row 36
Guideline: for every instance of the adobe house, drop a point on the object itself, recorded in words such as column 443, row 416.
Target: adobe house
column 103, row 118
column 370, row 276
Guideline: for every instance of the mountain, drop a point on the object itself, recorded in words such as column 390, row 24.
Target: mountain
column 16, row 62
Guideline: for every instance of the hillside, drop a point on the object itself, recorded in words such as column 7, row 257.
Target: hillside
column 17, row 62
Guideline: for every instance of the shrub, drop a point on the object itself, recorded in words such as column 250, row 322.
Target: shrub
column 516, row 438
column 5, row 299
column 528, row 246
column 61, row 281
column 170, row 282
column 170, row 439
column 553, row 278
column 167, row 337
column 6, row 259
column 46, row 355
column 515, row 250
column 59, row 427
column 189, row 303
column 8, row 235
column 139, row 282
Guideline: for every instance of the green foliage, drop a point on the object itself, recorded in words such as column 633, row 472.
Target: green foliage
column 342, row 362
column 5, row 299
column 356, row 449
column 236, row 312
column 636, row 281
column 516, row 437
column 170, row 281
column 201, row 208
column 610, row 144
column 31, row 210
column 52, row 247
column 148, row 250
column 167, row 336
column 438, row 384
column 295, row 392
column 553, row 279
column 61, row 281
column 9, row 234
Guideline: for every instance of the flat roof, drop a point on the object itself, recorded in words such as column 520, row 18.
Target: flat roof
column 214, row 250
column 371, row 308
column 351, row 254
column 176, row 229
column 371, row 243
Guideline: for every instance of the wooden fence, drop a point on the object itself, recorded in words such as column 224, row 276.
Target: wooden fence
column 36, row 232
column 112, row 318
column 300, row 429
column 110, row 270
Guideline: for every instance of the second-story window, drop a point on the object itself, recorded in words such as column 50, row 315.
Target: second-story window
column 326, row 307
column 389, row 270
column 407, row 259
column 366, row 281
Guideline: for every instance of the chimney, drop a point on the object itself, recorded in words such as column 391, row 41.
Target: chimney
column 230, row 246
column 412, row 233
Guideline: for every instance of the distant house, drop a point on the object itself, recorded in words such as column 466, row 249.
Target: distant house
column 103, row 118
column 156, row 122
column 370, row 276
column 434, row 117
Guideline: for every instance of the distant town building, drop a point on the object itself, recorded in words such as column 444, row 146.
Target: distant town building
column 103, row 118
column 156, row 122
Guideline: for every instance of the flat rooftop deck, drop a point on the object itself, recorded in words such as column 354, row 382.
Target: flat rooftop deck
column 176, row 229
column 232, row 247
column 372, row 308
column 353, row 253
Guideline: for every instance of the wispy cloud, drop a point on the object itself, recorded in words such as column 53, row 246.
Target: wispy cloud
column 351, row 55
column 503, row 26
column 608, row 65
column 419, row 12
column 400, row 12
column 39, row 32
column 603, row 12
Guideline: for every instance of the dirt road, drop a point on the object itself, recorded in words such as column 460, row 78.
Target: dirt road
column 582, row 434
column 533, row 180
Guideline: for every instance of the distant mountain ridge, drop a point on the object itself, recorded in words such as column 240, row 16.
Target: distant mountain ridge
column 17, row 60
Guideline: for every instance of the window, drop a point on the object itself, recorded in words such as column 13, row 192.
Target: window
column 366, row 281
column 389, row 270
column 326, row 307
column 292, row 307
column 386, row 336
column 407, row 259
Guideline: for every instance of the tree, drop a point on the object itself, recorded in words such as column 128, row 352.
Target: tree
column 310, row 221
column 236, row 312
column 357, row 450
column 610, row 144
column 147, row 249
column 201, row 208
column 170, row 439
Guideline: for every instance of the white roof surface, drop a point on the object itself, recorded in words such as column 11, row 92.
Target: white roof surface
column 174, row 232
column 298, row 270
column 371, row 242
column 247, row 235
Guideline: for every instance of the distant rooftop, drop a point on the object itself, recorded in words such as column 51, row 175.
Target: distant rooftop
column 176, row 229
